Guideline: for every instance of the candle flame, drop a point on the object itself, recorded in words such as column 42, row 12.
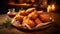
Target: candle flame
column 53, row 7
column 48, row 8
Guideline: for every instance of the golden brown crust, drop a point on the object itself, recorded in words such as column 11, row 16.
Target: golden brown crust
column 45, row 17
column 28, row 22
column 19, row 18
column 23, row 13
column 30, row 10
column 38, row 21
column 33, row 15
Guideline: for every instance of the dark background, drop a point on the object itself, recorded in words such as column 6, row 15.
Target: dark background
column 4, row 6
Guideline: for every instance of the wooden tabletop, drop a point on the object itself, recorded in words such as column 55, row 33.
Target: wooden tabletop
column 53, row 29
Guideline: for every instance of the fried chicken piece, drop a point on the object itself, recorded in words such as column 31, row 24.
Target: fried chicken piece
column 30, row 10
column 33, row 15
column 19, row 18
column 25, row 21
column 29, row 22
column 25, row 17
column 23, row 13
column 44, row 17
column 39, row 12
column 38, row 21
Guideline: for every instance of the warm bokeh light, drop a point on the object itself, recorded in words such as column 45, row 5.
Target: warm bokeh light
column 53, row 7
column 48, row 8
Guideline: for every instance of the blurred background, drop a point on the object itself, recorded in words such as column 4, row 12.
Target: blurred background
column 17, row 4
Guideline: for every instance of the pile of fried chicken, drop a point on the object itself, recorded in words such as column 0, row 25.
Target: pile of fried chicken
column 32, row 17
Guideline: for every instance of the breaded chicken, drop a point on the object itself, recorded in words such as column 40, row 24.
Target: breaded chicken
column 23, row 13
column 29, row 22
column 19, row 18
column 33, row 15
column 30, row 10
column 38, row 21
column 44, row 17
column 39, row 12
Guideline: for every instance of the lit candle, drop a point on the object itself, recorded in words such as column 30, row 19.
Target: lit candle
column 48, row 8
column 53, row 7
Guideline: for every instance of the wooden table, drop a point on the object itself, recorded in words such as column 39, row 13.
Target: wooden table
column 54, row 29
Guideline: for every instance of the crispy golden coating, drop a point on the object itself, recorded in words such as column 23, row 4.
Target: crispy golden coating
column 23, row 13
column 45, row 17
column 28, row 22
column 33, row 15
column 38, row 21
column 19, row 18
column 39, row 12
column 25, row 17
column 25, row 21
column 31, row 23
column 30, row 10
